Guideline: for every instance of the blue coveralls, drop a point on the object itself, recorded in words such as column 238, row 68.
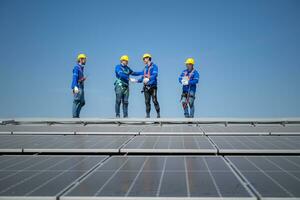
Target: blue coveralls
column 189, row 91
column 78, row 81
column 122, row 88
column 150, row 89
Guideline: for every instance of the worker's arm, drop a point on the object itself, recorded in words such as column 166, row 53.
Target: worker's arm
column 195, row 79
column 140, row 80
column 153, row 75
column 75, row 78
column 120, row 73
column 180, row 77
column 133, row 73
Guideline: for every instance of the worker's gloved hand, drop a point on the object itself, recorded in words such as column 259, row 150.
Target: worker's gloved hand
column 185, row 82
column 146, row 80
column 133, row 80
column 75, row 90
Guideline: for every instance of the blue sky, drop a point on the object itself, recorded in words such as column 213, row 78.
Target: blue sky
column 247, row 53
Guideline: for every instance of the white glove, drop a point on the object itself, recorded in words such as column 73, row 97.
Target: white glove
column 185, row 82
column 76, row 90
column 146, row 80
column 133, row 80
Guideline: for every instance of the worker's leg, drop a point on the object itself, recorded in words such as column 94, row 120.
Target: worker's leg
column 147, row 101
column 125, row 102
column 77, row 103
column 118, row 91
column 185, row 105
column 155, row 101
column 191, row 104
column 82, row 99
column 75, row 108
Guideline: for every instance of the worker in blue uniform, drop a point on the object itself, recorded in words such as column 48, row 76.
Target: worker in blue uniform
column 189, row 78
column 123, row 73
column 149, row 79
column 78, row 85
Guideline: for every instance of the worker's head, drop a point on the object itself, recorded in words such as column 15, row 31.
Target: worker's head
column 124, row 60
column 189, row 63
column 81, row 59
column 147, row 58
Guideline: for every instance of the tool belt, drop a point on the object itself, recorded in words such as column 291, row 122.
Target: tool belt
column 148, row 87
column 186, row 94
column 121, row 83
column 124, row 86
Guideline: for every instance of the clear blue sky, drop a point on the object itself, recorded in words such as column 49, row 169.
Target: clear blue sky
column 247, row 53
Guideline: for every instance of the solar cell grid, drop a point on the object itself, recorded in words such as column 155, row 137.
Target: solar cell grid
column 161, row 176
column 41, row 176
column 271, row 176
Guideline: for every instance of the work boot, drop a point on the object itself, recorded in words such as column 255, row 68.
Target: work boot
column 158, row 115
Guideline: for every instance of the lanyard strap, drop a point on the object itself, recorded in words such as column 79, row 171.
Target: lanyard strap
column 147, row 75
column 190, row 75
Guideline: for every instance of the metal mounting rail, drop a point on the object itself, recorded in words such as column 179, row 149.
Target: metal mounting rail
column 137, row 121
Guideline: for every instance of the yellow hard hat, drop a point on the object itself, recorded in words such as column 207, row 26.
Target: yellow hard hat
column 147, row 55
column 124, row 57
column 190, row 61
column 81, row 56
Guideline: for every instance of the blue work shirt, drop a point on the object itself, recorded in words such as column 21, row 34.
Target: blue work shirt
column 123, row 72
column 150, row 72
column 78, row 77
column 193, row 80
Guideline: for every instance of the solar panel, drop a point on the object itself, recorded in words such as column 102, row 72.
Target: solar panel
column 271, row 176
column 60, row 143
column 257, row 144
column 42, row 177
column 245, row 128
column 71, row 128
column 7, row 144
column 258, row 128
column 161, row 177
column 285, row 133
column 111, row 128
column 169, row 144
column 171, row 129
column 136, row 174
column 39, row 128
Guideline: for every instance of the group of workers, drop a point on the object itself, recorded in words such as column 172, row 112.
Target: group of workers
column 148, row 77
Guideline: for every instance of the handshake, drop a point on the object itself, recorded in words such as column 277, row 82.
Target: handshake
column 133, row 80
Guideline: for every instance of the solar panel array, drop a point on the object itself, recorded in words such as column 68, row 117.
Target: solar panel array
column 150, row 161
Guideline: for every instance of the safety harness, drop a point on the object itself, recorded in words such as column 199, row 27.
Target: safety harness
column 82, row 79
column 119, row 82
column 187, row 95
column 147, row 74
